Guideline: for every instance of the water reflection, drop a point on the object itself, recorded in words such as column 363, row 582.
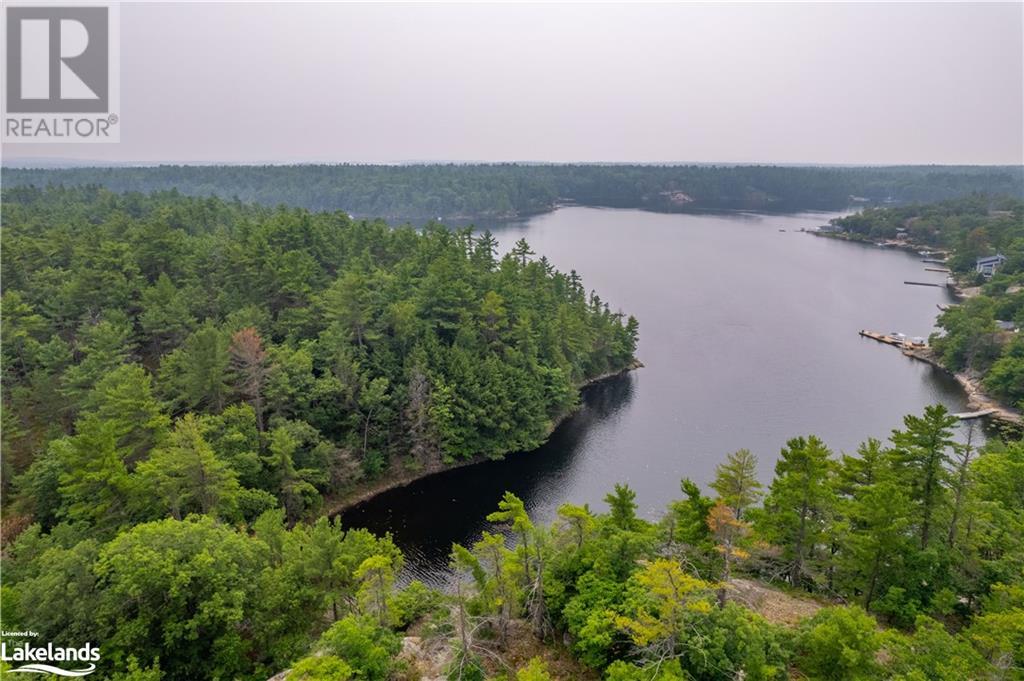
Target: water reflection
column 748, row 328
column 426, row 516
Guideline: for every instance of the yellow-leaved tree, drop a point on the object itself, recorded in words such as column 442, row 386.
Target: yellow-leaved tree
column 661, row 598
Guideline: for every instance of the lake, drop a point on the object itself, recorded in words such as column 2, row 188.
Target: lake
column 749, row 337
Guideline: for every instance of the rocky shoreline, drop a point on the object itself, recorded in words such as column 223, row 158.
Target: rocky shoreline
column 977, row 398
column 399, row 474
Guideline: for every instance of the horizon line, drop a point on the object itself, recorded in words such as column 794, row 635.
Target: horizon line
column 54, row 163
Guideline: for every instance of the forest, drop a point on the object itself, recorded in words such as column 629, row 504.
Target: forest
column 186, row 380
column 418, row 192
column 978, row 334
column 275, row 355
column 907, row 557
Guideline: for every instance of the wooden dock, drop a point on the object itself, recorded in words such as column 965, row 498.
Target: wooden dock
column 923, row 283
column 936, row 269
column 886, row 338
column 966, row 415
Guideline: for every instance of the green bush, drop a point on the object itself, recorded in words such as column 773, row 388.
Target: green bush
column 839, row 643
column 367, row 648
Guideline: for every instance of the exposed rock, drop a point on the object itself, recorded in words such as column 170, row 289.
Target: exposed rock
column 428, row 658
column 776, row 606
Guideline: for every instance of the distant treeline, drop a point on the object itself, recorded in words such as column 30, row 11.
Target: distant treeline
column 503, row 191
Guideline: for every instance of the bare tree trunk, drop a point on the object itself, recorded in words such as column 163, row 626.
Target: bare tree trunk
column 366, row 431
column 462, row 617
column 257, row 404
column 961, row 487
column 526, row 558
column 798, row 562
column 873, row 582
column 539, row 610
column 726, row 576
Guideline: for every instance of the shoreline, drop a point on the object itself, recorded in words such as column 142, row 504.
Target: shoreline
column 481, row 220
column 977, row 398
column 400, row 475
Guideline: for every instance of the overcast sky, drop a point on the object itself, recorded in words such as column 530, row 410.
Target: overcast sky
column 803, row 83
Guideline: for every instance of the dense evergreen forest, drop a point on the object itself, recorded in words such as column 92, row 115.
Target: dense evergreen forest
column 501, row 191
column 274, row 354
column 910, row 556
column 978, row 335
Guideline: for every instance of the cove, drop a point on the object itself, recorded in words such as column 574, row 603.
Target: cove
column 750, row 337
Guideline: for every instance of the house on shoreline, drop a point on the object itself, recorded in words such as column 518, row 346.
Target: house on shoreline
column 989, row 264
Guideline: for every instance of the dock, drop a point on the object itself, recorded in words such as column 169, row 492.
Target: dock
column 890, row 340
column 966, row 415
column 933, row 261
column 976, row 398
column 936, row 269
column 923, row 283
column 881, row 337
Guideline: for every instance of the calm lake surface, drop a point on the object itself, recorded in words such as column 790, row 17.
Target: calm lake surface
column 749, row 336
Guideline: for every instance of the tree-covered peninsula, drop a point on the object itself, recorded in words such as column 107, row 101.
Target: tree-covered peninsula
column 165, row 355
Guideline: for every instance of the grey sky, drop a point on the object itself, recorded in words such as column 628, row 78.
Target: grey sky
column 814, row 83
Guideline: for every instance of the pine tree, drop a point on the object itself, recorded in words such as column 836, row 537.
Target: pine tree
column 512, row 512
column 124, row 397
column 873, row 533
column 736, row 481
column 350, row 303
column 101, row 347
column 484, row 251
column 578, row 521
column 376, row 576
column 296, row 493
column 186, row 474
column 799, row 501
column 499, row 589
column 196, row 374
column 622, row 506
column 95, row 482
column 923, row 452
column 166, row 317
column 521, row 252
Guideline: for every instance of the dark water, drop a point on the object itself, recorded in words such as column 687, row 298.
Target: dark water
column 749, row 336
